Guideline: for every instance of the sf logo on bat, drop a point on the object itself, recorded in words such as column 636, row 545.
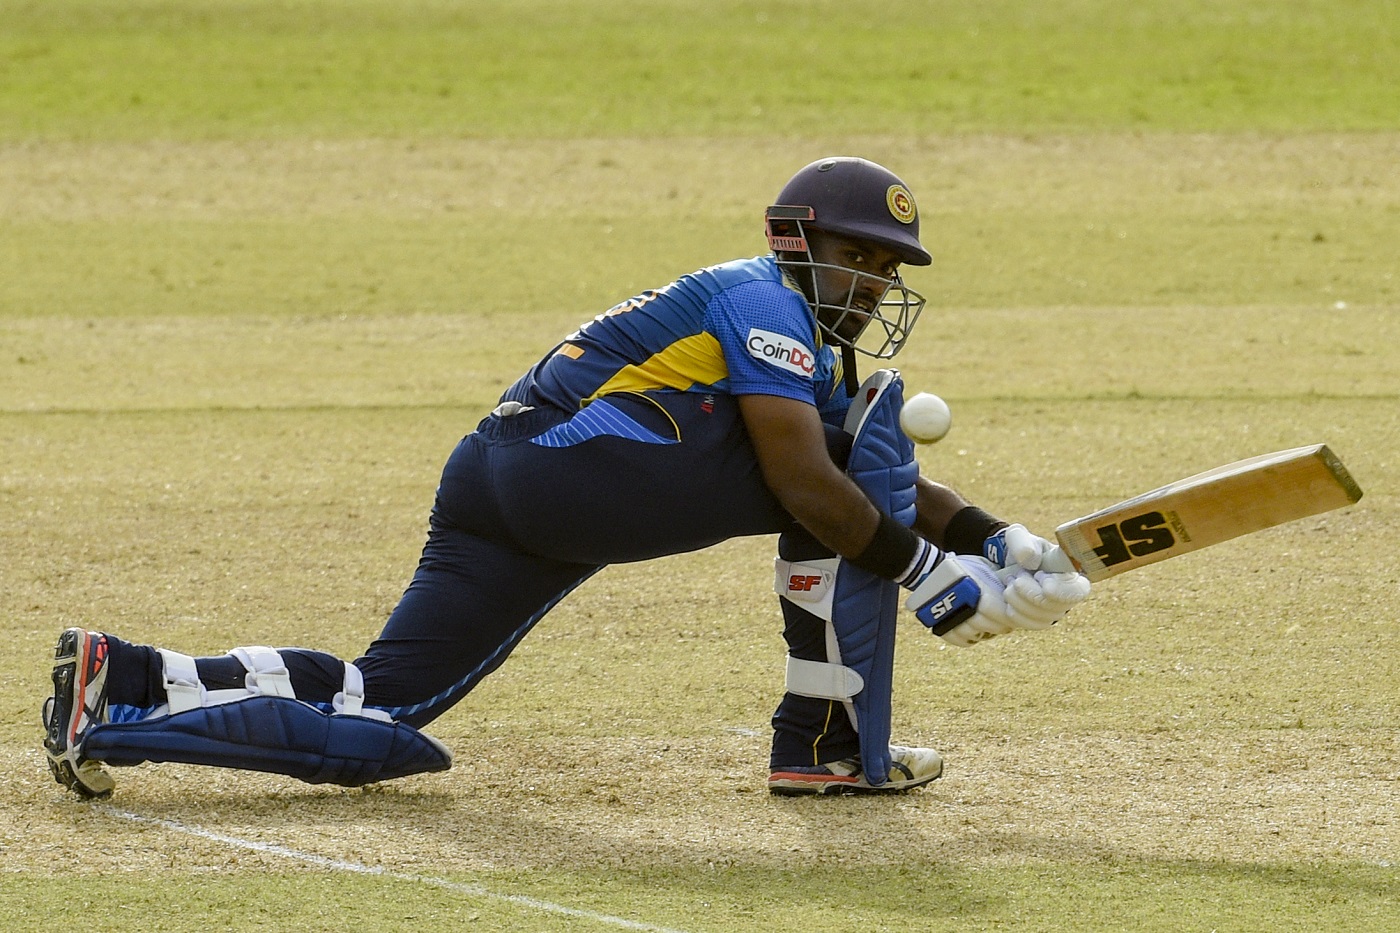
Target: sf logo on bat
column 1137, row 536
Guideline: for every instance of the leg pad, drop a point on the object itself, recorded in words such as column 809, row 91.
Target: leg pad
column 274, row 734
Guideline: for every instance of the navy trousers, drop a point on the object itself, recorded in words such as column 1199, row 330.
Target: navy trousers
column 516, row 526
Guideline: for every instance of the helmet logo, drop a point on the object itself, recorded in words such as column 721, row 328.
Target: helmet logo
column 901, row 204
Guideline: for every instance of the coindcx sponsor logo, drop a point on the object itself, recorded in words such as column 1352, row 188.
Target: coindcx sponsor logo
column 783, row 352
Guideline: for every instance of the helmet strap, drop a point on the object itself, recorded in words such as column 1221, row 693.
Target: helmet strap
column 848, row 369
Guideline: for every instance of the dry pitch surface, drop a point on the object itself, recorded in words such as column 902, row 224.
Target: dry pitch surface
column 205, row 480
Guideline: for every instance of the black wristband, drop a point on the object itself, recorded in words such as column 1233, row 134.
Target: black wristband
column 890, row 552
column 968, row 529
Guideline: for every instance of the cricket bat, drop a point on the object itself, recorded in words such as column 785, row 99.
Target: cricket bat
column 1189, row 514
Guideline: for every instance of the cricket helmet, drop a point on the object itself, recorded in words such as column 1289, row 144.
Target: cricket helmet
column 861, row 200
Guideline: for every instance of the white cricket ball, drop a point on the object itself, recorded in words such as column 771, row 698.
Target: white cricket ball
column 925, row 418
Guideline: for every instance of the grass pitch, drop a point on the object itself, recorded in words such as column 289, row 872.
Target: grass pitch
column 139, row 69
column 264, row 263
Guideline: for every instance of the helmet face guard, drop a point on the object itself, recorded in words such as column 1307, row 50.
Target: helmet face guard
column 862, row 201
column 879, row 331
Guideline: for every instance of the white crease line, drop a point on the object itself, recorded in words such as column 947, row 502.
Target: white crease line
column 473, row 890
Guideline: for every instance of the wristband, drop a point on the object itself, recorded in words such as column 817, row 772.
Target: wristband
column 890, row 552
column 924, row 561
column 968, row 529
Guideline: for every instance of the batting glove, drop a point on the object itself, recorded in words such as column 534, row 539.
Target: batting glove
column 1014, row 545
column 961, row 601
column 966, row 600
column 1039, row 600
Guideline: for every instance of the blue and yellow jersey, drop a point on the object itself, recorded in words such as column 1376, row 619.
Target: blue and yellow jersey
column 737, row 328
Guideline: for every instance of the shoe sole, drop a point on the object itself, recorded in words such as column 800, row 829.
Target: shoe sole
column 797, row 784
column 790, row 784
column 72, row 671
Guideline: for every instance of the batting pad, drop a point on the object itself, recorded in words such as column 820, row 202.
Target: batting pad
column 860, row 609
column 882, row 459
column 865, row 607
column 275, row 734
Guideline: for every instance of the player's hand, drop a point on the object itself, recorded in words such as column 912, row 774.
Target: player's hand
column 962, row 601
column 1014, row 545
column 1039, row 600
column 965, row 600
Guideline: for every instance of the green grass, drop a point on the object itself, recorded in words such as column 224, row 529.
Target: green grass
column 1149, row 897
column 205, row 69
column 1205, row 745
column 262, row 263
column 381, row 228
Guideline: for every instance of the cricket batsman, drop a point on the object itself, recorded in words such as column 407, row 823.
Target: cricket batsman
column 725, row 403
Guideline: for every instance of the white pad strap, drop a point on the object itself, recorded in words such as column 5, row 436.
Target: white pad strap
column 183, row 689
column 822, row 680
column 810, row 584
column 351, row 700
column 267, row 674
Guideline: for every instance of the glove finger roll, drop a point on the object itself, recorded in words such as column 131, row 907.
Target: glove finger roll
column 1024, row 548
column 1067, row 588
column 1030, row 606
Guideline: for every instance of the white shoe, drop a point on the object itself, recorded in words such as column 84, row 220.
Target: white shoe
column 909, row 768
column 79, row 702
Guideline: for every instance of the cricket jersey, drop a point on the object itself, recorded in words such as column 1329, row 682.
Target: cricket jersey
column 738, row 328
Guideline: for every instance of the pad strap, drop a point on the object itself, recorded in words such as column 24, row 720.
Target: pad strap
column 823, row 680
column 183, row 689
column 809, row 583
column 351, row 700
column 267, row 676
column 267, row 672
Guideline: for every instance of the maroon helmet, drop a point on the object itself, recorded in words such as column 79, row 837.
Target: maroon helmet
column 858, row 199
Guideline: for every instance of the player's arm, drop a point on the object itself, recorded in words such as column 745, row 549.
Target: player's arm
column 936, row 507
column 964, row 601
column 790, row 442
column 954, row 524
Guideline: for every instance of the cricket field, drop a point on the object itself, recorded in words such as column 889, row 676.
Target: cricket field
column 263, row 263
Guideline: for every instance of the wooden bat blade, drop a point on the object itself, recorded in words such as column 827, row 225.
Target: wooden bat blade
column 1217, row 505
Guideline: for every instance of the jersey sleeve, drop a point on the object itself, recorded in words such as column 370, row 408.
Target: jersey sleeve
column 833, row 410
column 765, row 332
